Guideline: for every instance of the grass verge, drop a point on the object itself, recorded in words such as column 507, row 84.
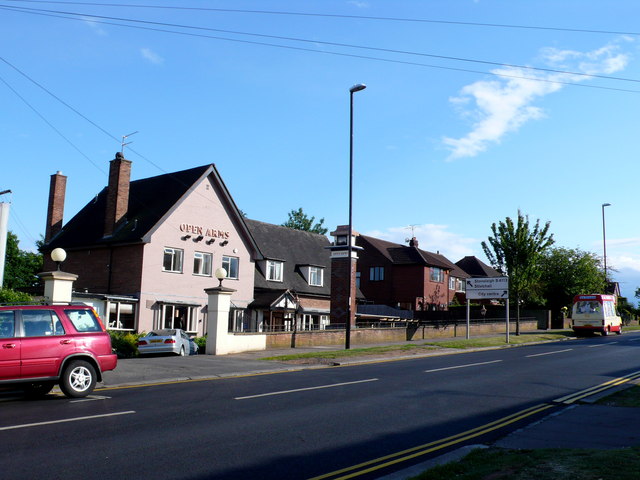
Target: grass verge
column 499, row 341
column 629, row 397
column 416, row 348
column 354, row 352
column 544, row 464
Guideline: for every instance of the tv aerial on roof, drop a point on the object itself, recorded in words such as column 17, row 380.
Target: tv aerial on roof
column 413, row 232
column 124, row 144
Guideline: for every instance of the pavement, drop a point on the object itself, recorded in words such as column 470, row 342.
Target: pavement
column 584, row 425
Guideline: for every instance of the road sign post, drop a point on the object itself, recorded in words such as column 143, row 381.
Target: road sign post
column 488, row 288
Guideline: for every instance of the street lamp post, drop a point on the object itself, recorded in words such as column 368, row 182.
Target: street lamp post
column 352, row 90
column 604, row 242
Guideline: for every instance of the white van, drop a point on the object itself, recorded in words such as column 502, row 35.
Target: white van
column 595, row 313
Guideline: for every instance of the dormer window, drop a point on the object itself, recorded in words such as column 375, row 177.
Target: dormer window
column 316, row 276
column 274, row 270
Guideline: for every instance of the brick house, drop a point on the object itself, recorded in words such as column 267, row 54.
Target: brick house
column 405, row 276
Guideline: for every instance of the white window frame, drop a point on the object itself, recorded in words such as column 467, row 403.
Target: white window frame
column 176, row 259
column 316, row 276
column 167, row 318
column 437, row 274
column 202, row 262
column 275, row 271
column 119, row 308
column 228, row 262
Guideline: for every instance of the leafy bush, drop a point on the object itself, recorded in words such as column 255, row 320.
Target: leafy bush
column 13, row 297
column 201, row 342
column 125, row 344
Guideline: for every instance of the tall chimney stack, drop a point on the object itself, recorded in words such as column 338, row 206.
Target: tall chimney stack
column 55, row 209
column 117, row 193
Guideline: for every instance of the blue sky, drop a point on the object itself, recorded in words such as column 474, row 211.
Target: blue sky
column 452, row 134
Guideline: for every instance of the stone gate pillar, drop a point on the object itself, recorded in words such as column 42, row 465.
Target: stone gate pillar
column 218, row 307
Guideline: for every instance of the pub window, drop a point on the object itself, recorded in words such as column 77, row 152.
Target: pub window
column 121, row 316
column 230, row 264
column 202, row 263
column 184, row 317
column 172, row 260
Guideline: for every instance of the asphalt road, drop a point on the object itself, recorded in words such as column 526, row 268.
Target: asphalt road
column 304, row 424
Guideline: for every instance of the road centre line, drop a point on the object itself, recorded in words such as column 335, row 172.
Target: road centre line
column 549, row 353
column 65, row 420
column 305, row 389
column 601, row 345
column 461, row 366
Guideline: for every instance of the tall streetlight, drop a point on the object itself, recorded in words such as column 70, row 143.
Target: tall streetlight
column 356, row 88
column 604, row 242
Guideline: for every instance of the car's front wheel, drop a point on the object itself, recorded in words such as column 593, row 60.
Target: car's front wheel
column 78, row 379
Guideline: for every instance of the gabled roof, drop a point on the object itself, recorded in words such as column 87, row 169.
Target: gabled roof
column 404, row 255
column 150, row 200
column 476, row 268
column 296, row 249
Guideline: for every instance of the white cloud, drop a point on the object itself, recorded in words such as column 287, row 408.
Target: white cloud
column 432, row 238
column 358, row 4
column 151, row 56
column 503, row 105
column 94, row 26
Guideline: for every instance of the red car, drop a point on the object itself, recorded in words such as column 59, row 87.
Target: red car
column 45, row 345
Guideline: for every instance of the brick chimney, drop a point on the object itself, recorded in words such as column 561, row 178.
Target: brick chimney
column 55, row 210
column 413, row 242
column 117, row 193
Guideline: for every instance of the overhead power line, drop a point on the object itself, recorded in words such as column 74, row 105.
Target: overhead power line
column 106, row 20
column 332, row 15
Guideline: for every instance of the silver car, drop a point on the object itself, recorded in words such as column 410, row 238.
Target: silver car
column 168, row 340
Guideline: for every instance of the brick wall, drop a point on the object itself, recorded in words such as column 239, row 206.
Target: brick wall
column 372, row 336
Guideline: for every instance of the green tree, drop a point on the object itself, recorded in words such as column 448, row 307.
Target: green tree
column 566, row 273
column 514, row 249
column 21, row 267
column 11, row 297
column 299, row 220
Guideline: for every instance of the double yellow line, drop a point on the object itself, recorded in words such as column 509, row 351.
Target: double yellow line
column 574, row 397
column 411, row 453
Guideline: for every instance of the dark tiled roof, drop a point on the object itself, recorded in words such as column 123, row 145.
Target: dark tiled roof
column 475, row 268
column 296, row 249
column 149, row 200
column 405, row 255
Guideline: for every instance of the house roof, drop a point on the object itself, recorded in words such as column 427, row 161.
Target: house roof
column 296, row 249
column 404, row 255
column 150, row 200
column 476, row 268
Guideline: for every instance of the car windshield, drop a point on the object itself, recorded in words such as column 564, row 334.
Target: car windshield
column 162, row 333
